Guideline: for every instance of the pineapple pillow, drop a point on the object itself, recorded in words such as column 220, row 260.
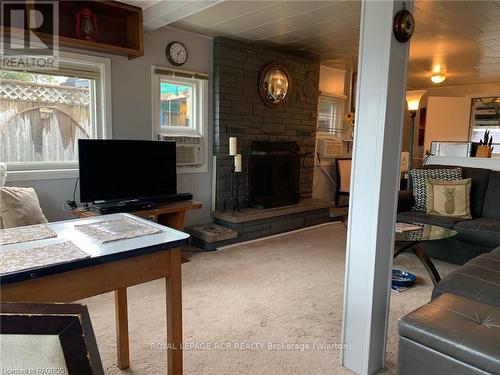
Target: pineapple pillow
column 449, row 198
column 419, row 178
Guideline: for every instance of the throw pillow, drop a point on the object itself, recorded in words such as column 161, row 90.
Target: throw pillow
column 449, row 198
column 19, row 207
column 419, row 179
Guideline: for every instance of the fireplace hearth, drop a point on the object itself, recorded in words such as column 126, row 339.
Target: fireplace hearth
column 274, row 174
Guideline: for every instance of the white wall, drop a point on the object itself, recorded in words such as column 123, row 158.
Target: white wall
column 331, row 80
column 448, row 119
column 131, row 108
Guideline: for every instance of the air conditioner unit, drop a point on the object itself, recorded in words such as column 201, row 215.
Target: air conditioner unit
column 329, row 147
column 189, row 150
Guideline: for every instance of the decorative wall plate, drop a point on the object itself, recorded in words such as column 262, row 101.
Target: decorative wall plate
column 404, row 25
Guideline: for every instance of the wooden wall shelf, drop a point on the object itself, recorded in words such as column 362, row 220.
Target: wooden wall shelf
column 120, row 27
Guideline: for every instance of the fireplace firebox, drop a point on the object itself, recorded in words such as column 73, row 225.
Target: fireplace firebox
column 274, row 174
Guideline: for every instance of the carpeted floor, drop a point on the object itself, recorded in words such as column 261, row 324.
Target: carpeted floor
column 282, row 290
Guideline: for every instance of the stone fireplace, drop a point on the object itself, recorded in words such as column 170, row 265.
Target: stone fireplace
column 239, row 112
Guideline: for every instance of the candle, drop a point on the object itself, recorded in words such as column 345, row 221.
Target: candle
column 237, row 163
column 232, row 146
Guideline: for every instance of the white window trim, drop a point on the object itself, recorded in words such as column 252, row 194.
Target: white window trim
column 63, row 170
column 200, row 116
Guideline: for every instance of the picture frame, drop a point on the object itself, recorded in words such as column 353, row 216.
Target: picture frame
column 69, row 322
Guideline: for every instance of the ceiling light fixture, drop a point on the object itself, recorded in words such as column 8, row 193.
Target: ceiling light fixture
column 439, row 75
column 438, row 78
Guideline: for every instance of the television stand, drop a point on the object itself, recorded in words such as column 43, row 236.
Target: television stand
column 169, row 214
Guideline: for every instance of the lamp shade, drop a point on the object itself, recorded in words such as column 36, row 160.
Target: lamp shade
column 413, row 99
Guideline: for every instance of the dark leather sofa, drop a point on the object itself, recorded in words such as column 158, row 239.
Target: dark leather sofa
column 458, row 332
column 475, row 236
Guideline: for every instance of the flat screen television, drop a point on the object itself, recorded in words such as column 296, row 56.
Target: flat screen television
column 117, row 170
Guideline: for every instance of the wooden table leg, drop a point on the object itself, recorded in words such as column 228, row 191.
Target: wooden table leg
column 122, row 344
column 427, row 262
column 174, row 314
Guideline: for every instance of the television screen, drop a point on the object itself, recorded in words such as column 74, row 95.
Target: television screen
column 123, row 169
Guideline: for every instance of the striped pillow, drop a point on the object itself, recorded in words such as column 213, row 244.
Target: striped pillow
column 419, row 179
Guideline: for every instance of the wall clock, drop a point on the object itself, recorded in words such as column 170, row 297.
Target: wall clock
column 404, row 25
column 176, row 53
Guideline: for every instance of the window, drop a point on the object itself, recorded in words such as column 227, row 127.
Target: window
column 43, row 114
column 180, row 113
column 179, row 103
column 176, row 105
column 330, row 115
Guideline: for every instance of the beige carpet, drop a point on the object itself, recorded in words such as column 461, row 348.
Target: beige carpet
column 279, row 290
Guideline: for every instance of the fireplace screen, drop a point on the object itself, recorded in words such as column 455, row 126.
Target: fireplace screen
column 274, row 174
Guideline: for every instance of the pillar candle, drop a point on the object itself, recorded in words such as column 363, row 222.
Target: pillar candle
column 232, row 146
column 237, row 163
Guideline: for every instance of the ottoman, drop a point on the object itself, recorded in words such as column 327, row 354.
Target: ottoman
column 450, row 335
column 478, row 279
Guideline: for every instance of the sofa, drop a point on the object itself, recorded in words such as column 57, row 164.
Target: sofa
column 475, row 236
column 458, row 332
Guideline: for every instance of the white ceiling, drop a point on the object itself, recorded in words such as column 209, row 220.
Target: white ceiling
column 462, row 36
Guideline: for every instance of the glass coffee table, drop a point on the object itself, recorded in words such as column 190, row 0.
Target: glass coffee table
column 412, row 239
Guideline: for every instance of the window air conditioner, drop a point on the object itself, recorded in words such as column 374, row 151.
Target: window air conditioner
column 189, row 150
column 329, row 147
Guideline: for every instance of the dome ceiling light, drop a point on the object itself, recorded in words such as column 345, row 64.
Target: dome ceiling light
column 438, row 74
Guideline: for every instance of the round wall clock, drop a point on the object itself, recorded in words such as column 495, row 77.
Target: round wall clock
column 404, row 25
column 176, row 53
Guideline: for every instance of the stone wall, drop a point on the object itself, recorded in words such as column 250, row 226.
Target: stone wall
column 240, row 112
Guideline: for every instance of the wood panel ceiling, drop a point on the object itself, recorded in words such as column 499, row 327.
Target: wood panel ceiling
column 461, row 36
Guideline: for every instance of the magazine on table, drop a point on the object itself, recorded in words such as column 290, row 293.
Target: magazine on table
column 405, row 227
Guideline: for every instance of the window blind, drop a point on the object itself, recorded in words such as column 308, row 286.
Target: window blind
column 330, row 113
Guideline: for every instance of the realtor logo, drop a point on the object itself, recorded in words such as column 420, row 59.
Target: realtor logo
column 29, row 37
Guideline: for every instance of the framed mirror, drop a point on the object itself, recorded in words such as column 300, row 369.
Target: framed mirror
column 274, row 84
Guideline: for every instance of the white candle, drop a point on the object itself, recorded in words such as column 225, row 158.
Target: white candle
column 232, row 146
column 237, row 163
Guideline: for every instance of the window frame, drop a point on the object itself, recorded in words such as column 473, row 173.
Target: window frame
column 200, row 107
column 27, row 171
column 200, row 128
column 193, row 126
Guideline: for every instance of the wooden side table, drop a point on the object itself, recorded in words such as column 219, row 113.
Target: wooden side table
column 112, row 266
column 169, row 214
